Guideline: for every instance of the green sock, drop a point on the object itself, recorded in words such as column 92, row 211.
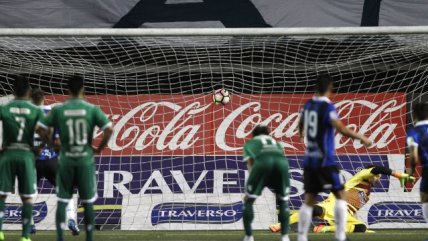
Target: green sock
column 27, row 215
column 60, row 220
column 284, row 217
column 2, row 207
column 89, row 220
column 248, row 217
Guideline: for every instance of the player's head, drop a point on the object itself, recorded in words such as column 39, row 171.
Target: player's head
column 374, row 179
column 21, row 87
column 420, row 111
column 324, row 85
column 260, row 130
column 37, row 96
column 75, row 86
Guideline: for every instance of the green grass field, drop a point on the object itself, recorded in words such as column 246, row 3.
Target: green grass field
column 383, row 235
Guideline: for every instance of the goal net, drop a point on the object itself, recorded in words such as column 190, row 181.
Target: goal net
column 175, row 159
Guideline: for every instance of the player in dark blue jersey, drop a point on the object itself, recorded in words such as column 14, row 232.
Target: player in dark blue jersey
column 318, row 121
column 47, row 162
column 417, row 142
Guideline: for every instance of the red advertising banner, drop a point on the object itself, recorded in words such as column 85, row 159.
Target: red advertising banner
column 193, row 125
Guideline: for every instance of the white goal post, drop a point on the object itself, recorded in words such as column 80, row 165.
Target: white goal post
column 175, row 159
column 212, row 31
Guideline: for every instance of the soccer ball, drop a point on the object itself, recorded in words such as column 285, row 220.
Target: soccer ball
column 221, row 96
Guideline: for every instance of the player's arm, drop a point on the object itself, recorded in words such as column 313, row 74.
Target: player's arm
column 333, row 118
column 107, row 128
column 301, row 127
column 107, row 132
column 412, row 145
column 247, row 157
column 301, row 132
column 403, row 177
column 43, row 127
column 342, row 129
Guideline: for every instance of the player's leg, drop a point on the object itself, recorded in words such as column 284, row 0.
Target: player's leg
column 312, row 186
column 39, row 176
column 248, row 217
column 87, row 186
column 281, row 184
column 7, row 178
column 424, row 193
column 65, row 183
column 50, row 168
column 72, row 218
column 340, row 207
column 253, row 189
column 424, row 201
column 317, row 211
column 27, row 187
column 354, row 225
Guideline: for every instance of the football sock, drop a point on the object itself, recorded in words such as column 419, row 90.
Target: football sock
column 27, row 215
column 284, row 217
column 285, row 237
column 340, row 213
column 425, row 211
column 60, row 220
column 248, row 217
column 2, row 207
column 71, row 212
column 305, row 220
column 89, row 220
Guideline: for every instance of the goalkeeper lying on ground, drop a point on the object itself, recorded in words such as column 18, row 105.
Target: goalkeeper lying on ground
column 357, row 194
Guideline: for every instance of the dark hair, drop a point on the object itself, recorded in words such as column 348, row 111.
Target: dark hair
column 75, row 84
column 260, row 130
column 323, row 84
column 21, row 85
column 420, row 111
column 370, row 166
column 37, row 96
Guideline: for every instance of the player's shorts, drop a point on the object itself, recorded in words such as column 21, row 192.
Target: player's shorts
column 320, row 179
column 424, row 181
column 47, row 169
column 80, row 175
column 20, row 164
column 272, row 172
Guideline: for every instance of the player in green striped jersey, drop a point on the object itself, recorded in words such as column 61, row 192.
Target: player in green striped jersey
column 268, row 167
column 20, row 120
column 76, row 119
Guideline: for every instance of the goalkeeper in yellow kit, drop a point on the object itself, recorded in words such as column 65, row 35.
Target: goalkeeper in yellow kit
column 358, row 190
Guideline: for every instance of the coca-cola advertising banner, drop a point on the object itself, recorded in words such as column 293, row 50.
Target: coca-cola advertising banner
column 194, row 125
column 175, row 161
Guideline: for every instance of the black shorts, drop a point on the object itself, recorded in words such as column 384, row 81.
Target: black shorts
column 424, row 181
column 321, row 179
column 47, row 169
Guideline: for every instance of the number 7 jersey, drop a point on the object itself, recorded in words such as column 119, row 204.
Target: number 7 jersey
column 19, row 118
column 318, row 113
column 76, row 119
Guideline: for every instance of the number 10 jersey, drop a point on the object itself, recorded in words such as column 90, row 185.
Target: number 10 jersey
column 75, row 120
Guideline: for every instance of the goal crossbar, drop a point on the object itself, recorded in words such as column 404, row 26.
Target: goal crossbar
column 212, row 31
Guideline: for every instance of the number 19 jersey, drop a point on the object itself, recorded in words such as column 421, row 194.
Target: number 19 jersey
column 318, row 113
column 76, row 119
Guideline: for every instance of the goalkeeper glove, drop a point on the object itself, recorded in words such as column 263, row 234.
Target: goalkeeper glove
column 405, row 178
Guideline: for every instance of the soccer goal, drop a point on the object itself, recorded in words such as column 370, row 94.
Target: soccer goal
column 175, row 159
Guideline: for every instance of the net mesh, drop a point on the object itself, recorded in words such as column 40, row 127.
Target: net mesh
column 175, row 161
